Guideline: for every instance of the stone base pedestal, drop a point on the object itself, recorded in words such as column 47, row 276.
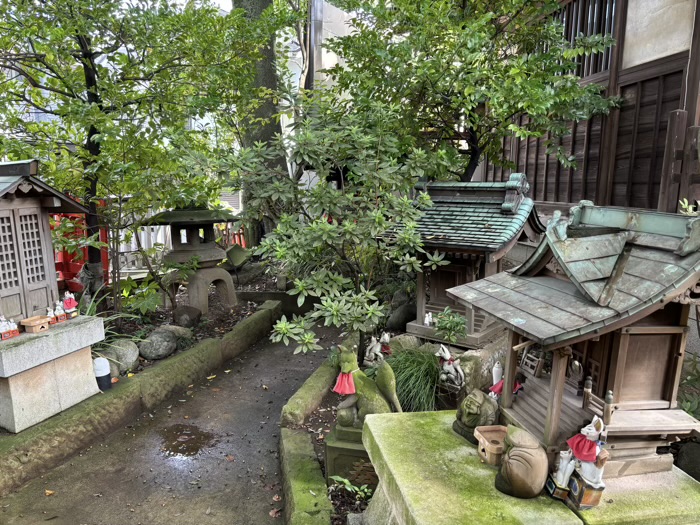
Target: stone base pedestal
column 43, row 374
column 428, row 475
column 198, row 288
column 346, row 457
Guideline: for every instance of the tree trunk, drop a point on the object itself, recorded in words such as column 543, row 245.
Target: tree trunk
column 264, row 129
column 361, row 346
column 92, row 146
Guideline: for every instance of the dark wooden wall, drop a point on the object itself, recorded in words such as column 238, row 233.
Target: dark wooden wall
column 619, row 159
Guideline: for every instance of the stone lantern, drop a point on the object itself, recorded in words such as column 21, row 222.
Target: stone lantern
column 41, row 374
column 193, row 235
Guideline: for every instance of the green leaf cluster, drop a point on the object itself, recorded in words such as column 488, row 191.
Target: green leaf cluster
column 346, row 217
column 462, row 71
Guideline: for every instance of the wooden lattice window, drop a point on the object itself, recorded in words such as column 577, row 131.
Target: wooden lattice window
column 9, row 277
column 32, row 251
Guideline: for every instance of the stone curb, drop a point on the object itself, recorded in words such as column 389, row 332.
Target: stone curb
column 305, row 494
column 38, row 449
column 309, row 396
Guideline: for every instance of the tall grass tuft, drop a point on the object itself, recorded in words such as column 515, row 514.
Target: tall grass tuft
column 417, row 374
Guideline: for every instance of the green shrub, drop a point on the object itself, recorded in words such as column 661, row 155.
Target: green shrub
column 417, row 373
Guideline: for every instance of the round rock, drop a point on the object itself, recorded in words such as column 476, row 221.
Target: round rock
column 401, row 316
column 160, row 344
column 123, row 355
column 187, row 316
column 688, row 459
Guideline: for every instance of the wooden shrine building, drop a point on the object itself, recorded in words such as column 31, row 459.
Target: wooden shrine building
column 605, row 298
column 28, row 284
column 474, row 224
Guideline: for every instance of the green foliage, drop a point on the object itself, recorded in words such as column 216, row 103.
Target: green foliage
column 689, row 390
column 687, row 208
column 417, row 374
column 96, row 305
column 138, row 100
column 362, row 493
column 450, row 325
column 143, row 297
column 464, row 70
column 339, row 237
column 67, row 234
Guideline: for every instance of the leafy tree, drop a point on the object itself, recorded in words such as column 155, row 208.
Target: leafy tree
column 116, row 86
column 346, row 217
column 462, row 70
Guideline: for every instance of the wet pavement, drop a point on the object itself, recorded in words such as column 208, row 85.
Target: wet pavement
column 206, row 456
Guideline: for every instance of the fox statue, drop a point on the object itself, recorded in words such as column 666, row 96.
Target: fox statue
column 365, row 396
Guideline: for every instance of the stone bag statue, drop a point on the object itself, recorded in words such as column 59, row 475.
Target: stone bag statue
column 524, row 466
column 364, row 395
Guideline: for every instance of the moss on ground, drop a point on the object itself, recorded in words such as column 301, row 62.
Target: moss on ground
column 421, row 461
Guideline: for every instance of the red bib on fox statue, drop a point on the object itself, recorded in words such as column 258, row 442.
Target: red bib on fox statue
column 345, row 384
column 583, row 448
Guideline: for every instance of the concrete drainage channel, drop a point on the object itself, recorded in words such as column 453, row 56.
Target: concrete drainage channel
column 305, row 492
column 44, row 446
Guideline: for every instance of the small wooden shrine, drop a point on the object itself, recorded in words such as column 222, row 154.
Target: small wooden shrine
column 598, row 318
column 50, row 370
column 28, row 283
column 474, row 224
column 193, row 235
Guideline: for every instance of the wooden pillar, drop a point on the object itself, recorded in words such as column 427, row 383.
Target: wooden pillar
column 673, row 162
column 420, row 297
column 556, row 395
column 677, row 363
column 509, row 370
column 603, row 195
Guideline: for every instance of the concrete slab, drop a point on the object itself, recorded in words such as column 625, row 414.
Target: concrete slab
column 30, row 350
column 432, row 476
column 653, row 499
column 29, row 397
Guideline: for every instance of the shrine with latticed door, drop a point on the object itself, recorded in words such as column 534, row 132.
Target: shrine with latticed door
column 28, row 283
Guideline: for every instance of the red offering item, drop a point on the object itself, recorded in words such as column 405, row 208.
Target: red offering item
column 345, row 384
column 69, row 303
column 582, row 447
column 386, row 349
column 498, row 388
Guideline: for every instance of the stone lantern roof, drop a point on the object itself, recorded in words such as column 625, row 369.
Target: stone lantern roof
column 192, row 217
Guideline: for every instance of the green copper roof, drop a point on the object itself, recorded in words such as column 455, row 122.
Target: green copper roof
column 482, row 216
column 192, row 216
column 619, row 263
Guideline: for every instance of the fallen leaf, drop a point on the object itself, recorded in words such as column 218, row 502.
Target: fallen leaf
column 276, row 497
column 211, row 377
column 312, row 492
column 230, row 458
column 227, row 371
column 185, row 417
column 275, row 513
column 216, row 389
column 48, row 492
column 129, row 375
column 208, row 511
column 115, row 380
